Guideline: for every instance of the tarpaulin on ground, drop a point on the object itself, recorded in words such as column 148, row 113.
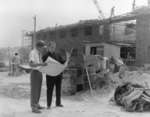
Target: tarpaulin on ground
column 132, row 97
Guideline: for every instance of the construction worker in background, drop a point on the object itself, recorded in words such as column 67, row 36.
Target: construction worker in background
column 15, row 64
column 113, row 65
column 102, row 64
column 36, row 76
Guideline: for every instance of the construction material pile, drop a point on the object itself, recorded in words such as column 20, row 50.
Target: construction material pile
column 132, row 97
column 132, row 91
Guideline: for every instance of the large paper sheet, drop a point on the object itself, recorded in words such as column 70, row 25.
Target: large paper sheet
column 28, row 67
column 53, row 67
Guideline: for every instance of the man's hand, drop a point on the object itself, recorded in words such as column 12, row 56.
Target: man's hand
column 68, row 55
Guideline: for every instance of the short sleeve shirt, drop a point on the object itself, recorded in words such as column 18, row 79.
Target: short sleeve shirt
column 34, row 56
column 16, row 60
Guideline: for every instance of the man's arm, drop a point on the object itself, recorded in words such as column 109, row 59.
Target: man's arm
column 32, row 64
column 44, row 58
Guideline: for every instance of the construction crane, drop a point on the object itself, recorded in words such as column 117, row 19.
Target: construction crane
column 101, row 15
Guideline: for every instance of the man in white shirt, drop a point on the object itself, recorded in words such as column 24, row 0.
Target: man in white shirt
column 36, row 76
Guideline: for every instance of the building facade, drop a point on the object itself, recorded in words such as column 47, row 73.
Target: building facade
column 73, row 35
column 133, row 28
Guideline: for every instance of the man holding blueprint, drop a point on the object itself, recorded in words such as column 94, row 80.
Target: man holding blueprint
column 35, row 61
column 56, row 65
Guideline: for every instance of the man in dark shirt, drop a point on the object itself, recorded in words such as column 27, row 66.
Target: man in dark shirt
column 52, row 81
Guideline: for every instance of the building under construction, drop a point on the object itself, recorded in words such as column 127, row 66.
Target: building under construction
column 129, row 32
column 125, row 36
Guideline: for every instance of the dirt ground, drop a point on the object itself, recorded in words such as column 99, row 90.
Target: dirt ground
column 15, row 95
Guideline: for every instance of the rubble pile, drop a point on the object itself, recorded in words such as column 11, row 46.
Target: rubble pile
column 132, row 97
column 132, row 91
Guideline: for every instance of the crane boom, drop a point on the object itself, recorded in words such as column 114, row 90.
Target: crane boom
column 98, row 8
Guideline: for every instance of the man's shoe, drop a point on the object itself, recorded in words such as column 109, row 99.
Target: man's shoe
column 36, row 111
column 48, row 107
column 60, row 105
column 41, row 107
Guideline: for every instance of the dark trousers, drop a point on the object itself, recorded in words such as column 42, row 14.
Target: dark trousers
column 35, row 82
column 51, row 82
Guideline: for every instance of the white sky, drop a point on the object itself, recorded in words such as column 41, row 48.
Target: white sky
column 17, row 15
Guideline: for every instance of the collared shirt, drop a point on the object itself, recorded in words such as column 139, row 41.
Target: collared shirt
column 35, row 57
column 55, row 56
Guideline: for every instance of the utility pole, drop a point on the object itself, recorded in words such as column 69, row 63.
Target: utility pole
column 9, row 61
column 23, row 38
column 34, row 33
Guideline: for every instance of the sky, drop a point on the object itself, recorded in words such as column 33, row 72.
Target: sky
column 16, row 16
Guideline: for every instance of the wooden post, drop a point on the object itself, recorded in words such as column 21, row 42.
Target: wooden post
column 91, row 90
column 34, row 33
column 87, row 73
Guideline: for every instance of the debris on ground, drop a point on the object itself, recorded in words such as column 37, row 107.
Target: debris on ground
column 132, row 97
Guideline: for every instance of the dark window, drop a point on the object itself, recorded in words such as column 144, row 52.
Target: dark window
column 88, row 30
column 74, row 52
column 93, row 51
column 62, row 34
column 74, row 32
column 130, row 29
column 125, row 51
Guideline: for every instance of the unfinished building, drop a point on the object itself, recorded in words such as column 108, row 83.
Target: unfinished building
column 131, row 28
column 125, row 36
